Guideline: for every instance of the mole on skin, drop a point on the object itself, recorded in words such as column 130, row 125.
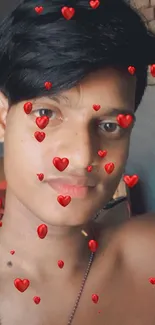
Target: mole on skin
column 9, row 264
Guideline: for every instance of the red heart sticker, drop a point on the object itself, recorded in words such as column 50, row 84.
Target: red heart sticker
column 60, row 163
column 131, row 180
column 152, row 280
column 94, row 3
column 38, row 10
column 68, row 12
column 89, row 169
column 95, row 298
column 96, row 107
column 37, row 300
column 42, row 231
column 61, row 264
column 131, row 70
column 93, row 245
column 40, row 136
column 12, row 252
column 28, row 107
column 21, row 285
column 64, row 200
column 124, row 120
column 152, row 70
column 109, row 168
column 42, row 121
column 40, row 176
column 48, row 85
column 102, row 153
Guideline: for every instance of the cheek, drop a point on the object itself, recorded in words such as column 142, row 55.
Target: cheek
column 117, row 154
column 22, row 151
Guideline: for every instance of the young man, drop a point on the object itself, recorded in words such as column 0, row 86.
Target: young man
column 71, row 79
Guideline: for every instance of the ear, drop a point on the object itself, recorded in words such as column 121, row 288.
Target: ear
column 4, row 106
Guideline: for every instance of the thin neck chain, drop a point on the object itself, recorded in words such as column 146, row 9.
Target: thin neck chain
column 81, row 289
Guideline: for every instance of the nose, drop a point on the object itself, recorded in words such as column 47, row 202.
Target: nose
column 79, row 148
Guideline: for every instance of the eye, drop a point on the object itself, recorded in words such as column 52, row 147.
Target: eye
column 45, row 112
column 110, row 127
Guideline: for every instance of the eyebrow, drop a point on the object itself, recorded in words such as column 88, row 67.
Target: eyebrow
column 116, row 111
column 108, row 110
column 57, row 98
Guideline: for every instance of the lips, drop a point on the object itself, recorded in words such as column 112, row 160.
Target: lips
column 75, row 187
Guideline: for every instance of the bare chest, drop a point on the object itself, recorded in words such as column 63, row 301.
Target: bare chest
column 120, row 302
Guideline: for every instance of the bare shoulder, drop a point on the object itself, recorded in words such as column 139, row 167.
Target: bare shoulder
column 139, row 228
column 136, row 241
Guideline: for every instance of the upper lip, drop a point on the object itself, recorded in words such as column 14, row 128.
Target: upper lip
column 74, row 181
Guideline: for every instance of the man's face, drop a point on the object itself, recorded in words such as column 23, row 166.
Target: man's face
column 77, row 132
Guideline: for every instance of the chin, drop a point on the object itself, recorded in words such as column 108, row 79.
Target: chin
column 60, row 222
column 77, row 212
column 63, row 217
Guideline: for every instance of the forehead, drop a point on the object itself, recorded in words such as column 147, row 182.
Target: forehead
column 107, row 85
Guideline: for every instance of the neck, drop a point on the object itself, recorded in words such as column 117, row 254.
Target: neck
column 19, row 233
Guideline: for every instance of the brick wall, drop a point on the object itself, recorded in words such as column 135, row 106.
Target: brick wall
column 147, row 8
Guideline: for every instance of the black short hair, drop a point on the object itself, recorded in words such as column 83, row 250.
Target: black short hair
column 35, row 48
